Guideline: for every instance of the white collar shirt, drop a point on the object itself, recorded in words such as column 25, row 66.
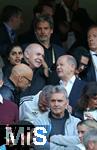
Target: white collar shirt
column 94, row 60
column 69, row 84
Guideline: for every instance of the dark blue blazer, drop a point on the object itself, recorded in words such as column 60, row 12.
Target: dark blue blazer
column 90, row 75
column 4, row 40
column 76, row 92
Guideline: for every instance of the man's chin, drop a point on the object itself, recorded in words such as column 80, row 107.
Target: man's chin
column 37, row 66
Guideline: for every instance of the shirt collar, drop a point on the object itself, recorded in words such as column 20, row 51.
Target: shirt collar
column 8, row 27
column 1, row 99
column 92, row 53
column 66, row 115
column 70, row 81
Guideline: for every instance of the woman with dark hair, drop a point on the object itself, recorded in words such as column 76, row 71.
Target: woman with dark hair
column 15, row 56
column 87, row 105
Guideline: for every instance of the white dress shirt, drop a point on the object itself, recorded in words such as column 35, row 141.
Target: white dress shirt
column 69, row 84
column 94, row 59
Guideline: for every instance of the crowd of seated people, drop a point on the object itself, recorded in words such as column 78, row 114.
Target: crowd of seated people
column 48, row 75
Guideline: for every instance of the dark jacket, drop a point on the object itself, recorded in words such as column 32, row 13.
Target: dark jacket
column 9, row 92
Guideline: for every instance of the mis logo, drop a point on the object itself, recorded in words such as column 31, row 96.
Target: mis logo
column 25, row 135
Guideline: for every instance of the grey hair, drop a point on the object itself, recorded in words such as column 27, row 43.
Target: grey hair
column 46, row 92
column 59, row 89
column 90, row 135
column 71, row 60
column 42, row 18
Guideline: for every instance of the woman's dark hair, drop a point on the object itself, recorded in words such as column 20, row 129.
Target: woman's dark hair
column 10, row 47
column 88, row 92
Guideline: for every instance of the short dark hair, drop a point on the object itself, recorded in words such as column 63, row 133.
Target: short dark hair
column 9, row 11
column 79, row 52
column 39, row 8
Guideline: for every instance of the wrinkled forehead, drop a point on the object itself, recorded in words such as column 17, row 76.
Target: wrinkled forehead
column 92, row 30
column 84, row 59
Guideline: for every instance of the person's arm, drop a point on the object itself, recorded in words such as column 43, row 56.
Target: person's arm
column 64, row 140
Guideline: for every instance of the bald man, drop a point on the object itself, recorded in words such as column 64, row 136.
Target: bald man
column 19, row 80
column 34, row 55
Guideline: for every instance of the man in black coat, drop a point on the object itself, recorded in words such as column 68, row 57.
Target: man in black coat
column 10, row 22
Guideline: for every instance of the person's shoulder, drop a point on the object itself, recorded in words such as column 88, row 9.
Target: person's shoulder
column 72, row 148
column 42, row 119
column 29, row 98
column 80, row 81
column 73, row 118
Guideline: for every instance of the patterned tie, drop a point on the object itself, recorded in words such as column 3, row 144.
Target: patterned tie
column 13, row 36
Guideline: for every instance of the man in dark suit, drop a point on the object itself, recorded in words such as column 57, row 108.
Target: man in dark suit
column 10, row 22
column 92, row 44
column 66, row 67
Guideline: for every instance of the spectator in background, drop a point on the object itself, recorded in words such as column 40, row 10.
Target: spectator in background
column 35, row 105
column 83, row 127
column 9, row 112
column 11, row 19
column 87, row 105
column 44, row 8
column 20, row 78
column 43, row 27
column 15, row 57
column 82, row 57
column 92, row 44
column 90, row 139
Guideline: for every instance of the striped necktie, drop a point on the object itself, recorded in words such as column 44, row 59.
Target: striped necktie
column 13, row 36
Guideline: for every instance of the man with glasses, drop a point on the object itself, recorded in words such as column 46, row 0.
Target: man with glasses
column 19, row 80
column 82, row 57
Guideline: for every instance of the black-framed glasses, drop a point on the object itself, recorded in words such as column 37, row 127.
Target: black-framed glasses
column 84, row 65
column 29, row 81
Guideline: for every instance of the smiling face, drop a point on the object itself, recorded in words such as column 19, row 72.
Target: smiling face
column 15, row 55
column 34, row 55
column 36, row 58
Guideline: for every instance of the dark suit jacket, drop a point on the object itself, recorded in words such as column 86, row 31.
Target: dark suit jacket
column 90, row 75
column 76, row 92
column 4, row 39
column 5, row 42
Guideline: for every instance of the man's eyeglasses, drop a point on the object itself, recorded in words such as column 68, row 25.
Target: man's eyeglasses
column 29, row 81
column 83, row 65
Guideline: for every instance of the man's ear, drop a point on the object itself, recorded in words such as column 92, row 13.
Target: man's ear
column 52, row 31
column 26, row 56
column 20, row 78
